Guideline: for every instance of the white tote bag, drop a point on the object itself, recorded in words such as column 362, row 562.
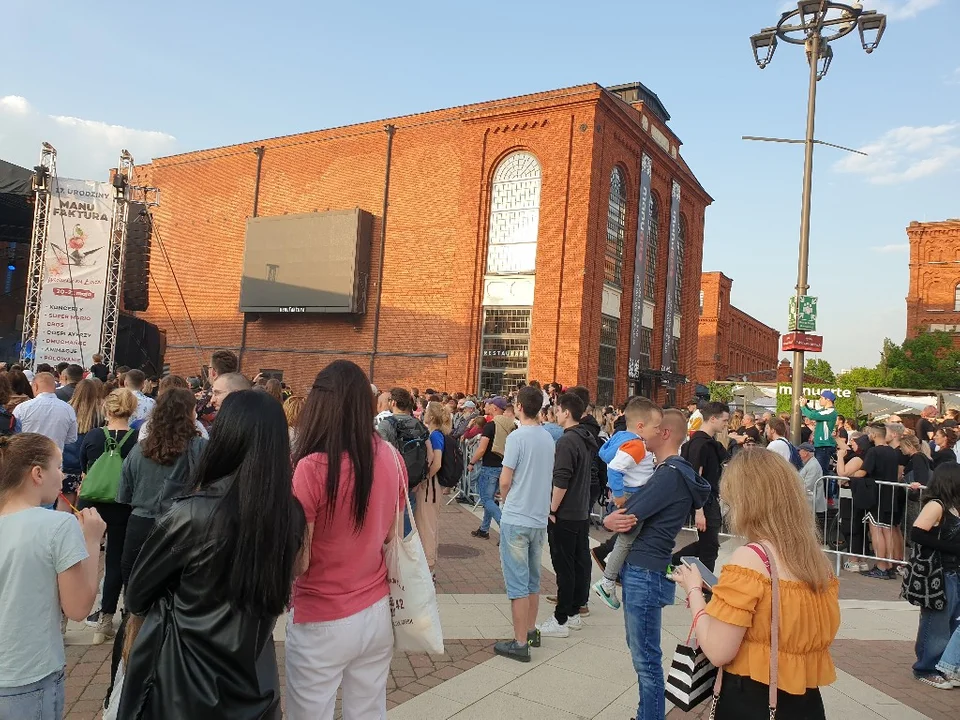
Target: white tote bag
column 413, row 597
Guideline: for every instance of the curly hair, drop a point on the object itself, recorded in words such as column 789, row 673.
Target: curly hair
column 172, row 427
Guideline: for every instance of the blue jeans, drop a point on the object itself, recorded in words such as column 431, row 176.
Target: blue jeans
column 489, row 484
column 950, row 661
column 411, row 506
column 520, row 550
column 645, row 594
column 936, row 628
column 42, row 700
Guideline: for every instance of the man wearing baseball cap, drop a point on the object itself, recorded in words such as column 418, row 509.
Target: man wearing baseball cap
column 825, row 445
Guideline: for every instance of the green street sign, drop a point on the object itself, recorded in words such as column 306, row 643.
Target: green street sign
column 806, row 319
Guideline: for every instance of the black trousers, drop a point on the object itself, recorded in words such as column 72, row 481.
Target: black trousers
column 742, row 698
column 569, row 542
column 115, row 516
column 707, row 545
column 138, row 529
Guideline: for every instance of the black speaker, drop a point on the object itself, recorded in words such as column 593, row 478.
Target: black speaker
column 140, row 344
column 136, row 259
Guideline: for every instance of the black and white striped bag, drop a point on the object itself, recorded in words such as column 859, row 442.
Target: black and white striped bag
column 691, row 677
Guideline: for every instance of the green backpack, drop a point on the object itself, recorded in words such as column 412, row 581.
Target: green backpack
column 101, row 482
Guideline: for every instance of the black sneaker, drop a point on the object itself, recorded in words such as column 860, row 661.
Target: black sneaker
column 533, row 638
column 482, row 534
column 513, row 650
column 601, row 562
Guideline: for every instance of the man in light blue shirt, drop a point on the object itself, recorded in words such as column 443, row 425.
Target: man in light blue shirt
column 134, row 381
column 47, row 414
column 526, row 484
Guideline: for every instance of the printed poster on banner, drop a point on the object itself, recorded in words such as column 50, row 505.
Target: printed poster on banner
column 74, row 272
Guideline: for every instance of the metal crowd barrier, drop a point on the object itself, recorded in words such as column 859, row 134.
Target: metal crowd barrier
column 868, row 526
column 467, row 490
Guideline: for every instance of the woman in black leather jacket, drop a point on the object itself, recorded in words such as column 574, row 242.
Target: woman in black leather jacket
column 214, row 576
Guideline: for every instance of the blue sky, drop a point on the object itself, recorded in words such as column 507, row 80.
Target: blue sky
column 191, row 75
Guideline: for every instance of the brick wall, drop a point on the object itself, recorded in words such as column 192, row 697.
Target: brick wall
column 435, row 254
column 934, row 277
column 731, row 342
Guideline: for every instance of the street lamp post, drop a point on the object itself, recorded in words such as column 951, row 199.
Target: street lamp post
column 814, row 24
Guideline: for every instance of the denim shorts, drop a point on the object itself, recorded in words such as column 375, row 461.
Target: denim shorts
column 42, row 700
column 520, row 552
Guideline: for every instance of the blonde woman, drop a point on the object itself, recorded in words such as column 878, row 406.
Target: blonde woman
column 733, row 630
column 87, row 404
column 292, row 409
column 427, row 510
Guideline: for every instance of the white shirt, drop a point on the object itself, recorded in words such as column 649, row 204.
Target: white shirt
column 144, row 406
column 48, row 415
column 781, row 448
column 381, row 416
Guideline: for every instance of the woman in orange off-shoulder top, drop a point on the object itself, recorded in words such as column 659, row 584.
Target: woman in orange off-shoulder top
column 768, row 508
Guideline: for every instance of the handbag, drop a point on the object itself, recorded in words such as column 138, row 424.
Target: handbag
column 774, row 635
column 413, row 597
column 923, row 584
column 691, row 675
column 102, row 480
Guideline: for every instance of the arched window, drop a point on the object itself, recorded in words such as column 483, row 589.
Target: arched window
column 653, row 246
column 681, row 250
column 514, row 215
column 616, row 225
column 956, row 298
column 512, row 250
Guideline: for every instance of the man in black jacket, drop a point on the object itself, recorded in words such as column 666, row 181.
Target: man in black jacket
column 569, row 521
column 707, row 456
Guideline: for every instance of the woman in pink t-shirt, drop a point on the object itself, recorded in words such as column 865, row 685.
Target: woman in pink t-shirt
column 340, row 633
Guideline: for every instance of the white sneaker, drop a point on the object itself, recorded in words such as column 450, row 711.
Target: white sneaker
column 575, row 622
column 105, row 630
column 551, row 628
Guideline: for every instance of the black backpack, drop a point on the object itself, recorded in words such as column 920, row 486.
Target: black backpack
column 451, row 465
column 8, row 423
column 795, row 458
column 412, row 444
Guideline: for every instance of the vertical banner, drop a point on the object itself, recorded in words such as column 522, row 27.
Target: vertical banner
column 640, row 268
column 74, row 272
column 670, row 301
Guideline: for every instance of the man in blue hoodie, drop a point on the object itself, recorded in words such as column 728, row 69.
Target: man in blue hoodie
column 667, row 500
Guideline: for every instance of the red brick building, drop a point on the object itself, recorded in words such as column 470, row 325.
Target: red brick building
column 509, row 249
column 732, row 343
column 933, row 300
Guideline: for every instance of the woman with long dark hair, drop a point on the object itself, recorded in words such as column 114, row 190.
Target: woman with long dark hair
column 20, row 387
column 945, row 439
column 938, row 528
column 853, row 507
column 159, row 468
column 214, row 576
column 351, row 484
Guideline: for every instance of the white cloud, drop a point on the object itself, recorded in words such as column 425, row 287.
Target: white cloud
column 896, row 248
column 905, row 154
column 86, row 149
column 903, row 9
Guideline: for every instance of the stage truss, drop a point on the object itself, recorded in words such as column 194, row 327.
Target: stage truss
column 125, row 192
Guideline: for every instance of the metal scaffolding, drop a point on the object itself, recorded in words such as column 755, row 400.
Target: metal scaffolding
column 43, row 174
column 124, row 192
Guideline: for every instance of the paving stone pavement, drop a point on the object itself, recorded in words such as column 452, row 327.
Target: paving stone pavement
column 590, row 674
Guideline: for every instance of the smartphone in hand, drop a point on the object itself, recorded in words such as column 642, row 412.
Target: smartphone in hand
column 709, row 579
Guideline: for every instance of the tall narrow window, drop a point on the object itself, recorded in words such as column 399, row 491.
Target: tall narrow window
column 512, row 250
column 607, row 368
column 681, row 250
column 956, row 298
column 653, row 244
column 616, row 225
column 514, row 215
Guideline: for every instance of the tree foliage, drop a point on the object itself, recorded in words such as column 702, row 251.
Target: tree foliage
column 820, row 369
column 927, row 362
column 721, row 392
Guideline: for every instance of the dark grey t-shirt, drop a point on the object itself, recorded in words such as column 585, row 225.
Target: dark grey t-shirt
column 150, row 487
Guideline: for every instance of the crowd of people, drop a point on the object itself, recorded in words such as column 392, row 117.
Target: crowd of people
column 220, row 505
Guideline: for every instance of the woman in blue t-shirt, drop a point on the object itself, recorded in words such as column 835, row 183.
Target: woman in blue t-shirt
column 427, row 513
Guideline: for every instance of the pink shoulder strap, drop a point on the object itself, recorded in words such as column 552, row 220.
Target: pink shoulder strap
column 771, row 566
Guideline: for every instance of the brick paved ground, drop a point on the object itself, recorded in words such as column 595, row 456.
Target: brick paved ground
column 885, row 665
